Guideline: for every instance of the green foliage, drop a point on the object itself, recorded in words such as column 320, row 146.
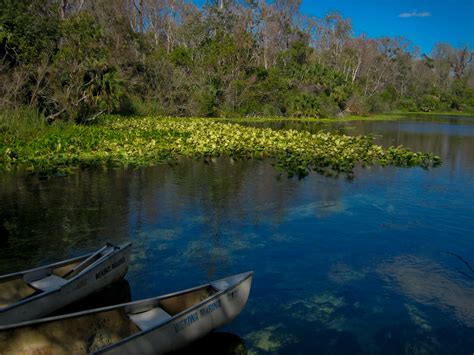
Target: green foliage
column 28, row 30
column 304, row 105
column 357, row 104
column 83, row 41
column 462, row 96
column 24, row 123
column 145, row 141
column 263, row 92
column 181, row 56
column 86, row 84
column 310, row 105
column 297, row 55
column 384, row 101
column 408, row 104
column 429, row 103
column 208, row 99
column 316, row 90
column 74, row 63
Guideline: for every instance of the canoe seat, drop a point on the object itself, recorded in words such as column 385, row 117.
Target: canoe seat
column 48, row 283
column 149, row 319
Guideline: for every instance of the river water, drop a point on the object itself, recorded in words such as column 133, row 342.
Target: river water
column 382, row 263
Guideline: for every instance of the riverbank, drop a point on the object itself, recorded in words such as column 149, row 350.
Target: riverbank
column 443, row 113
column 351, row 118
column 139, row 141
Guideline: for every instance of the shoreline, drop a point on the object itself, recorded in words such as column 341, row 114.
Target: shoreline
column 393, row 116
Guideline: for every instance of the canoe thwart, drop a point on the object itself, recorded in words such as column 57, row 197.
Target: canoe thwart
column 101, row 253
column 150, row 319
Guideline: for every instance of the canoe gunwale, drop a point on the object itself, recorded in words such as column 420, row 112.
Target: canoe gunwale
column 49, row 266
column 26, row 300
column 187, row 310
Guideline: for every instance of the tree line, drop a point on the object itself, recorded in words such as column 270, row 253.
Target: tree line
column 78, row 59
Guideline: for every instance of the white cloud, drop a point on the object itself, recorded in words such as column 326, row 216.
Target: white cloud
column 414, row 14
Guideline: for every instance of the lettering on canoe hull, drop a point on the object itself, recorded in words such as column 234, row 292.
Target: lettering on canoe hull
column 211, row 307
column 186, row 322
column 109, row 268
column 194, row 317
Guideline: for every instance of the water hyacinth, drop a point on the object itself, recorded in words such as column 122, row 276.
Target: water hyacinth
column 139, row 141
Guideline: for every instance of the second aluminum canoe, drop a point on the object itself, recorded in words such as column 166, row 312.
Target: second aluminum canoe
column 34, row 293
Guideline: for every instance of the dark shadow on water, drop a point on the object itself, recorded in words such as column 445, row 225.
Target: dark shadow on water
column 117, row 293
column 217, row 343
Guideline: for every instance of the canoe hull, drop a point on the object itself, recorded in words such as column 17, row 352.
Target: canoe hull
column 189, row 326
column 103, row 274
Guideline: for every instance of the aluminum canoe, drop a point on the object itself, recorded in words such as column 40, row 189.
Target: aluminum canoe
column 35, row 293
column 153, row 326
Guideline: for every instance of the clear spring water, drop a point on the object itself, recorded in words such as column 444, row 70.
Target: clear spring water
column 380, row 264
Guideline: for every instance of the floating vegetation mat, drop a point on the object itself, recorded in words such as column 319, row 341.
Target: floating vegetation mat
column 139, row 141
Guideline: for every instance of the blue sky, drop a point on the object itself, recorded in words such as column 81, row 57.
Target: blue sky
column 424, row 22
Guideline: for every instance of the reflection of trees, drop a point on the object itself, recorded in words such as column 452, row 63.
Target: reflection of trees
column 50, row 220
column 217, row 194
column 454, row 143
column 215, row 199
column 219, row 206
column 429, row 283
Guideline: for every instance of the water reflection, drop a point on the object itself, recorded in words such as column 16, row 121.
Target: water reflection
column 454, row 143
column 427, row 282
column 46, row 221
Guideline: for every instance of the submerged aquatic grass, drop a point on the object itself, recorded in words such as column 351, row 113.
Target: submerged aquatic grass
column 138, row 141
